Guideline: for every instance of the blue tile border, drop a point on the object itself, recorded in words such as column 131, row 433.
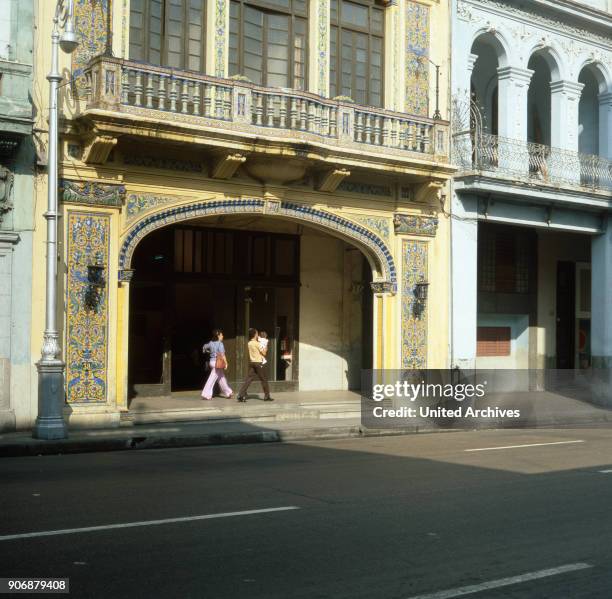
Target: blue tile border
column 301, row 212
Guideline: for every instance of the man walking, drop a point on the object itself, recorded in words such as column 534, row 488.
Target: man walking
column 256, row 369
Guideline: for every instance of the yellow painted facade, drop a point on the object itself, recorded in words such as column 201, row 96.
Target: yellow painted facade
column 145, row 147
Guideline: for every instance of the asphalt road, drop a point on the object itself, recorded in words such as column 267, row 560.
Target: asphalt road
column 392, row 518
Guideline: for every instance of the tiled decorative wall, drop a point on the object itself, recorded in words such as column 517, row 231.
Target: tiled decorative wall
column 86, row 308
column 414, row 325
column 221, row 37
column 417, row 53
column 323, row 47
column 138, row 204
column 91, row 18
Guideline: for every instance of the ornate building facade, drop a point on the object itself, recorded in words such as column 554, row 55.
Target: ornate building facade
column 532, row 138
column 16, row 207
column 233, row 163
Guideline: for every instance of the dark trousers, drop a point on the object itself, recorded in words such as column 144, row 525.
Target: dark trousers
column 256, row 371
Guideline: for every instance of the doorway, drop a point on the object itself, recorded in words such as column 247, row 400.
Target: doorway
column 566, row 314
column 190, row 280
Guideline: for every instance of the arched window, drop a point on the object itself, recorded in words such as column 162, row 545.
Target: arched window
column 169, row 33
column 356, row 57
column 268, row 41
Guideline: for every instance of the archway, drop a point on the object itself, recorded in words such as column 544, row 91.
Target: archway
column 539, row 113
column 592, row 130
column 490, row 56
column 241, row 265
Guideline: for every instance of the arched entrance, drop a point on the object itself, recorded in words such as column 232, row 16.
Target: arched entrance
column 303, row 275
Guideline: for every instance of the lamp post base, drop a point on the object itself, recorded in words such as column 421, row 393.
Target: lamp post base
column 50, row 423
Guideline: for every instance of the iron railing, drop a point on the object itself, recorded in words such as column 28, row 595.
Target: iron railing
column 530, row 161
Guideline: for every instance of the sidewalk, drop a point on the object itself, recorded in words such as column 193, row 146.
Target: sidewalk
column 185, row 434
column 296, row 417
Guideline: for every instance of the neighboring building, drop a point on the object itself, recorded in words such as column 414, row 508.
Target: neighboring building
column 16, row 210
column 532, row 137
column 234, row 163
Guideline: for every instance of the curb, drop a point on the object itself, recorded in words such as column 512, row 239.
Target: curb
column 33, row 447
column 70, row 446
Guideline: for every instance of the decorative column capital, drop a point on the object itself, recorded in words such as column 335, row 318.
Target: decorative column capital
column 125, row 275
column 605, row 99
column 514, row 74
column 383, row 287
column 569, row 88
column 472, row 58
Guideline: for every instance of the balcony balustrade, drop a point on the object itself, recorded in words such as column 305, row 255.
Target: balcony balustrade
column 238, row 106
column 529, row 161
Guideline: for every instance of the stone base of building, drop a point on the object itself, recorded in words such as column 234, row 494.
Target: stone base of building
column 7, row 421
column 77, row 418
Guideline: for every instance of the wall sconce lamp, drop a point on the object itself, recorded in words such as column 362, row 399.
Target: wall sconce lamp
column 421, row 291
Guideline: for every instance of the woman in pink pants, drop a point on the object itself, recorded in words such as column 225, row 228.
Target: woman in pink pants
column 215, row 347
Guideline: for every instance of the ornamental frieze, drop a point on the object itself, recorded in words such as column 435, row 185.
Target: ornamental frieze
column 414, row 224
column 137, row 203
column 92, row 194
column 379, row 225
column 171, row 164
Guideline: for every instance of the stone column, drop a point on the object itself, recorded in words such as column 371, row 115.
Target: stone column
column 123, row 328
column 464, row 263
column 513, row 86
column 605, row 125
column 601, row 298
column 512, row 153
column 7, row 416
column 565, row 98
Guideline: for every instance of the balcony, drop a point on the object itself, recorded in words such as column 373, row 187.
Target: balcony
column 530, row 162
column 140, row 100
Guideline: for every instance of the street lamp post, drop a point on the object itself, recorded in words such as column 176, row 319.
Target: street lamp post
column 50, row 421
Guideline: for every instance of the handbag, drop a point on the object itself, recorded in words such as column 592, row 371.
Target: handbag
column 221, row 361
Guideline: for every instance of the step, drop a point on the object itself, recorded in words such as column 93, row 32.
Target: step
column 253, row 413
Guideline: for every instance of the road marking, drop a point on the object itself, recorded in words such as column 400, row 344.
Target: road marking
column 71, row 531
column 502, row 582
column 527, row 445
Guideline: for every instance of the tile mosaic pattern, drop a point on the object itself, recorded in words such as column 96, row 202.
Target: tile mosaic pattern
column 417, row 52
column 413, row 224
column 256, row 205
column 86, row 327
column 91, row 24
column 221, row 35
column 379, row 225
column 323, row 47
column 414, row 327
column 137, row 204
column 93, row 194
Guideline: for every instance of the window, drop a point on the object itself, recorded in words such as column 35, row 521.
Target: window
column 268, row 42
column 356, row 48
column 493, row 341
column 169, row 33
column 505, row 259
